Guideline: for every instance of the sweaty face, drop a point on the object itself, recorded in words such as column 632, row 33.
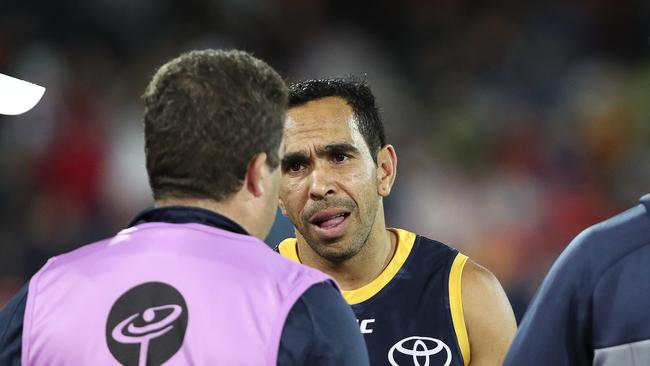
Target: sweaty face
column 329, row 179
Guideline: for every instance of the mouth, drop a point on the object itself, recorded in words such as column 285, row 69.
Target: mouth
column 330, row 223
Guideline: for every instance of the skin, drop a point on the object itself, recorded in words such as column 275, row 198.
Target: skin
column 255, row 204
column 328, row 167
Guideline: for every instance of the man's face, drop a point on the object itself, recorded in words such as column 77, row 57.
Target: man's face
column 329, row 179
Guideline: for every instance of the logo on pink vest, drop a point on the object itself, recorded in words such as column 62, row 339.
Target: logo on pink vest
column 147, row 324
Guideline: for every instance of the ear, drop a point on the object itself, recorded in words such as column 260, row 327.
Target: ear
column 386, row 170
column 256, row 172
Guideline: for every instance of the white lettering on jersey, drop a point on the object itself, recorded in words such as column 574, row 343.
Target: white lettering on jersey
column 364, row 325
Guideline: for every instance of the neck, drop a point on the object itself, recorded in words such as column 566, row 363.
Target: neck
column 227, row 208
column 365, row 266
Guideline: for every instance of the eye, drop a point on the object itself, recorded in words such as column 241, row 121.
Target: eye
column 296, row 167
column 339, row 158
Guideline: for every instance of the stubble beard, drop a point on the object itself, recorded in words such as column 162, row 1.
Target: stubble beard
column 355, row 243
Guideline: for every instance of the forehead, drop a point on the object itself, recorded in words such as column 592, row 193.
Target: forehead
column 321, row 122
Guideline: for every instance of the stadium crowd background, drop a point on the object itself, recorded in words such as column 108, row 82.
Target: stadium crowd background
column 517, row 124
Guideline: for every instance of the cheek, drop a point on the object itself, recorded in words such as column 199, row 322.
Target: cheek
column 287, row 189
column 363, row 190
column 291, row 196
column 367, row 194
column 360, row 182
column 362, row 169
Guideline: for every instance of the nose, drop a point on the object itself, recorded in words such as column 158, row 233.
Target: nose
column 322, row 184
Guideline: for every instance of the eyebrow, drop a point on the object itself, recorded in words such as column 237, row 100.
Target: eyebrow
column 300, row 157
column 293, row 158
column 342, row 148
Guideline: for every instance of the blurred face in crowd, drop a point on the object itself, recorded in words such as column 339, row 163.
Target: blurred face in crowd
column 330, row 186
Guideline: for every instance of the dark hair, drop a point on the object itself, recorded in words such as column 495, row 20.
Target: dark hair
column 207, row 113
column 358, row 96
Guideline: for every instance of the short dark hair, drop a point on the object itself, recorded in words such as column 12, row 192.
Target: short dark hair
column 357, row 95
column 207, row 113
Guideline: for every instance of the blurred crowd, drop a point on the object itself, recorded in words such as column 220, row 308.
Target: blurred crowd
column 517, row 124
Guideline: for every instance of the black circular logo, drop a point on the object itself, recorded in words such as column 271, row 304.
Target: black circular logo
column 147, row 324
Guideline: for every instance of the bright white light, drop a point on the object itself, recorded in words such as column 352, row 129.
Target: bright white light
column 18, row 96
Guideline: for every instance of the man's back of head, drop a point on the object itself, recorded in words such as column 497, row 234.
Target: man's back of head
column 207, row 115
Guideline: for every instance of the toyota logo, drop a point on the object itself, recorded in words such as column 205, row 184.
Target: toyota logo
column 419, row 349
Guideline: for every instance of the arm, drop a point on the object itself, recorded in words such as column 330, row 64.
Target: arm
column 321, row 331
column 11, row 329
column 489, row 319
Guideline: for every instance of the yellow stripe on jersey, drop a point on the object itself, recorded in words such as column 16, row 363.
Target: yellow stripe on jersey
column 456, row 305
column 289, row 249
column 405, row 241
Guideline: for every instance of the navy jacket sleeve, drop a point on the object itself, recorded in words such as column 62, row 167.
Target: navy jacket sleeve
column 321, row 330
column 11, row 329
column 555, row 328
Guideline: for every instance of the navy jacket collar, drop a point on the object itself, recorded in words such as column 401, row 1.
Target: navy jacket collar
column 187, row 215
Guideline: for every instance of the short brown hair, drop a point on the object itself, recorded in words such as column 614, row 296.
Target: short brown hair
column 207, row 113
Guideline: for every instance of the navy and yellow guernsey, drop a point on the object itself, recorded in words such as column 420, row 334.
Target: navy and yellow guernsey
column 412, row 313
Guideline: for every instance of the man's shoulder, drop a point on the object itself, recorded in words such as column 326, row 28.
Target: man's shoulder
column 597, row 249
column 472, row 292
column 427, row 250
column 433, row 245
column 63, row 261
column 608, row 241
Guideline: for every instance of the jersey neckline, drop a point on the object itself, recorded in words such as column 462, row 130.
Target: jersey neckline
column 405, row 240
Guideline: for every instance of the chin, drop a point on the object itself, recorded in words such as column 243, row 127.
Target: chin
column 335, row 253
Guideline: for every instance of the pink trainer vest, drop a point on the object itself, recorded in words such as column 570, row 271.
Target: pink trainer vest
column 158, row 293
